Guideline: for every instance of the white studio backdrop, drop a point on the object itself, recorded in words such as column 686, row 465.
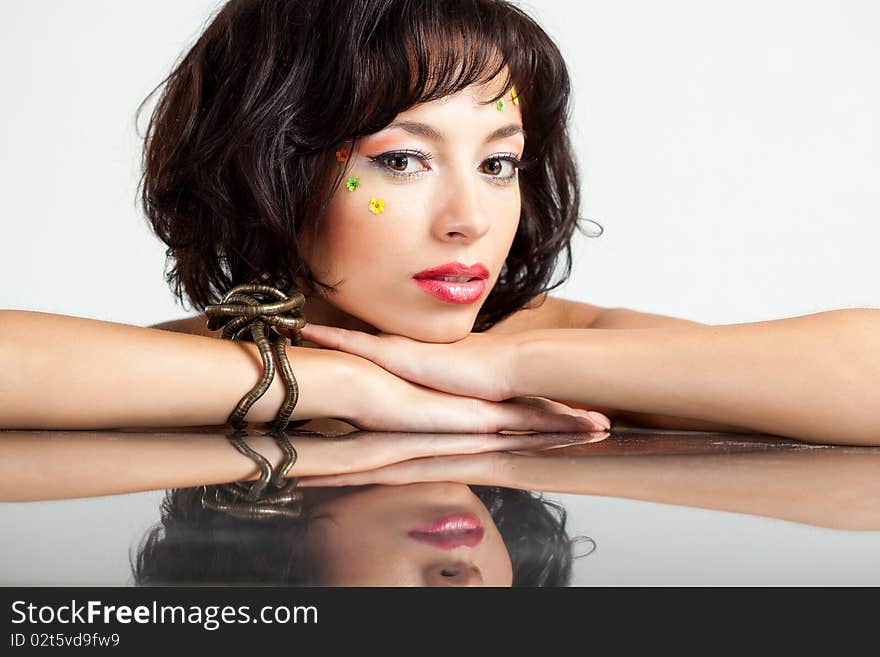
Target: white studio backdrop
column 730, row 149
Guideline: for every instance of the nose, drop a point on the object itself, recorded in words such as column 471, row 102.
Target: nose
column 454, row 574
column 462, row 216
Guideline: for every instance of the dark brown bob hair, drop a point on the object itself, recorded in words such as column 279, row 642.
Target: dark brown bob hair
column 195, row 546
column 240, row 152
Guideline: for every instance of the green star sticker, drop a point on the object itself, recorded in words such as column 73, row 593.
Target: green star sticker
column 500, row 105
column 353, row 184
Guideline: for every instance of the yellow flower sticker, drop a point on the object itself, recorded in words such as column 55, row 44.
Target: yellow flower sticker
column 377, row 205
column 514, row 97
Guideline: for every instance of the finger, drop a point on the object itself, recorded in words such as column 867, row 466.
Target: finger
column 558, row 407
column 520, row 416
column 353, row 342
column 533, row 441
column 388, row 475
column 593, row 437
column 389, row 352
column 368, row 450
column 430, row 469
column 377, row 449
column 461, row 444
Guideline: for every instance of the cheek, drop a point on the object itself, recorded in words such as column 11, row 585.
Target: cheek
column 512, row 208
column 354, row 545
column 505, row 226
column 368, row 232
column 370, row 257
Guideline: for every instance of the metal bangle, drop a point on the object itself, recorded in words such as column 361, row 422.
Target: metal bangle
column 246, row 312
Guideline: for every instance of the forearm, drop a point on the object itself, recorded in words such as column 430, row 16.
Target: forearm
column 822, row 487
column 814, row 377
column 72, row 465
column 68, row 464
column 618, row 318
column 61, row 372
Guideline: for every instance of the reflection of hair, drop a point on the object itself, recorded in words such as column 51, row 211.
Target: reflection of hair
column 195, row 545
column 533, row 530
column 240, row 151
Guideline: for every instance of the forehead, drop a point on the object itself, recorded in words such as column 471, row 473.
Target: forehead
column 470, row 109
column 475, row 97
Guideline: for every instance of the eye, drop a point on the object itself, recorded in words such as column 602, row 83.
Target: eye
column 401, row 164
column 502, row 168
column 398, row 162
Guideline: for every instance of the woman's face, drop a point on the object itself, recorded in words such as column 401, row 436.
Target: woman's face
column 430, row 534
column 443, row 175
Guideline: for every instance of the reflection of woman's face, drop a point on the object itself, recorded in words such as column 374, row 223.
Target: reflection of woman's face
column 445, row 174
column 414, row 535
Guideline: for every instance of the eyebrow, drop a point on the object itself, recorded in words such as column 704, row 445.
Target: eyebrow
column 424, row 130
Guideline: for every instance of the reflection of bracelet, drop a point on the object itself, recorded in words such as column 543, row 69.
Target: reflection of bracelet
column 245, row 313
column 253, row 501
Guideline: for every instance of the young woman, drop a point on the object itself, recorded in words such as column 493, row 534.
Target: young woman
column 364, row 151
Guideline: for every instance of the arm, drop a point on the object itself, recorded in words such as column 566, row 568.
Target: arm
column 814, row 377
column 594, row 317
column 51, row 465
column 835, row 487
column 827, row 487
column 197, row 325
column 554, row 312
column 61, row 372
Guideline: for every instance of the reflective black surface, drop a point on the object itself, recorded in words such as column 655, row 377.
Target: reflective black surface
column 637, row 507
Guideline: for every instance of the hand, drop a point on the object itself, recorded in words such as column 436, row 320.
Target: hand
column 385, row 402
column 478, row 365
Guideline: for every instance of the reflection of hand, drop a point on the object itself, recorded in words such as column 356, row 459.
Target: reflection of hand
column 459, row 386
column 367, row 452
column 67, row 464
column 492, row 467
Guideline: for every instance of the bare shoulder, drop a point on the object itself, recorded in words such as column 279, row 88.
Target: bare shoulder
column 545, row 312
column 197, row 325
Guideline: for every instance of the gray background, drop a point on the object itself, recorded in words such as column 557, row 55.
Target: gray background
column 731, row 151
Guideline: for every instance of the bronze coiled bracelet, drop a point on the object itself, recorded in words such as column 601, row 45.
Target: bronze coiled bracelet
column 249, row 312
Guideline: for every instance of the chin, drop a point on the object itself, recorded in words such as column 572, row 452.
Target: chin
column 432, row 329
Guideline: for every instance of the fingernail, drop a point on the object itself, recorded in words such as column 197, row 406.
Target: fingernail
column 590, row 425
column 583, row 438
column 599, row 419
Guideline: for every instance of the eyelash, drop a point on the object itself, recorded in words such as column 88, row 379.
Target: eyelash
column 380, row 161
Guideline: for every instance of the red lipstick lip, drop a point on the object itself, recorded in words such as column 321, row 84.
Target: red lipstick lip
column 456, row 269
column 450, row 532
column 452, row 292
